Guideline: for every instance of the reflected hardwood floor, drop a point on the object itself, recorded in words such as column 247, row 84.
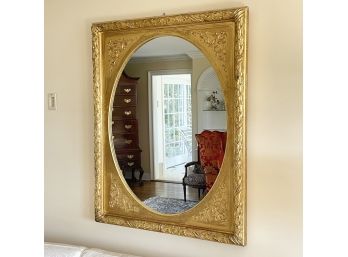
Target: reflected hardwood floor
column 164, row 189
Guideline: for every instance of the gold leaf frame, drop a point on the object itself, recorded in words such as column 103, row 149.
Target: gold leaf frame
column 222, row 36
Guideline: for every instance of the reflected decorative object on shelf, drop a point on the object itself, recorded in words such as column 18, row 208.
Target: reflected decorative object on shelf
column 222, row 37
column 214, row 101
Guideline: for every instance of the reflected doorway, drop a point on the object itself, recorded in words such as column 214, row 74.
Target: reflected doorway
column 171, row 123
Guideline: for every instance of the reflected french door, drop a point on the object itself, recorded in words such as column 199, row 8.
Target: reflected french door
column 171, row 124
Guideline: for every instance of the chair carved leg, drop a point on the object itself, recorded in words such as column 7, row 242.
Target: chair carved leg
column 184, row 187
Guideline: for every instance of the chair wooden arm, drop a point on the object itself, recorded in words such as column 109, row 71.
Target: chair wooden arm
column 190, row 164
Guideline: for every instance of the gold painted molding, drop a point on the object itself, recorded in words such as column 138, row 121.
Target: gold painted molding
column 222, row 37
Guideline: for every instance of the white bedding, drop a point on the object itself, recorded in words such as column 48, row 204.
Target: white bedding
column 64, row 250
column 101, row 253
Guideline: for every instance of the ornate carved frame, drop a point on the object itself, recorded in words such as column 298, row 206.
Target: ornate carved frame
column 222, row 36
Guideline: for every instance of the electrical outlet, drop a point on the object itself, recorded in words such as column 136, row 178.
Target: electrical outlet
column 52, row 101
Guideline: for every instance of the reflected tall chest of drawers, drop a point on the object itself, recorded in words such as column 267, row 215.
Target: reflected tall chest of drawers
column 125, row 128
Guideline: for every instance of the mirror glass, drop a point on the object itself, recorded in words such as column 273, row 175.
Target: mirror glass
column 169, row 124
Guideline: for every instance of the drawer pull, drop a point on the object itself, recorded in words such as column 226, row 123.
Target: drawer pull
column 112, row 122
column 129, row 141
column 130, row 156
column 128, row 126
column 128, row 113
column 127, row 100
column 127, row 90
column 113, row 137
column 130, row 164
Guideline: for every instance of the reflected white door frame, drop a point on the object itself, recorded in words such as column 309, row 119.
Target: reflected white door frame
column 156, row 137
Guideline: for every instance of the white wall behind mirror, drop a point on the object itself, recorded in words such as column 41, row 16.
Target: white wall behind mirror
column 174, row 87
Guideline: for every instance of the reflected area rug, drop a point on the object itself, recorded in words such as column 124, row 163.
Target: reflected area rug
column 169, row 205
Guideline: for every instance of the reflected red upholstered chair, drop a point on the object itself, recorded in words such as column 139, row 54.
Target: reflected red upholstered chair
column 211, row 150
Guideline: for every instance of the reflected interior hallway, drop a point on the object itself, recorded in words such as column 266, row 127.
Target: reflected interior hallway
column 164, row 189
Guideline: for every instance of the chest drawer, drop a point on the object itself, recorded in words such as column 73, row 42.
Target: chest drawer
column 125, row 141
column 125, row 126
column 124, row 112
column 129, row 158
column 126, row 89
column 124, row 100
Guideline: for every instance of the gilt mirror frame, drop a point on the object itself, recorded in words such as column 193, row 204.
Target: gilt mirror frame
column 221, row 36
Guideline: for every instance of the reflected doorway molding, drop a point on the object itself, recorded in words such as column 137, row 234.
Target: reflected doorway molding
column 151, row 107
column 208, row 81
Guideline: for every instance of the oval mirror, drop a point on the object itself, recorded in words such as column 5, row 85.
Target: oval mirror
column 169, row 124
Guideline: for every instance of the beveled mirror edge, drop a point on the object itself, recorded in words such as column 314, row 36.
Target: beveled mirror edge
column 240, row 17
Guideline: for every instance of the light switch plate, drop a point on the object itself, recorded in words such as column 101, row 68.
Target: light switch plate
column 52, row 101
